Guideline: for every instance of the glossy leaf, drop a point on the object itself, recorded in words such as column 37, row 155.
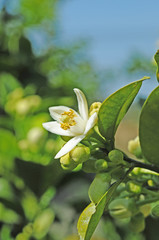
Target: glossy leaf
column 149, row 128
column 114, row 108
column 91, row 215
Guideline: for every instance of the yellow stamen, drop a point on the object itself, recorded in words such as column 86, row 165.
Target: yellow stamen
column 67, row 119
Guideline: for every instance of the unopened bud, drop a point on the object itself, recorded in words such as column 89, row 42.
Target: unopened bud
column 116, row 156
column 67, row 163
column 101, row 165
column 80, row 154
column 94, row 108
column 155, row 211
column 134, row 187
column 99, row 186
column 137, row 223
column 42, row 223
column 134, row 147
column 121, row 208
column 145, row 209
column 28, row 229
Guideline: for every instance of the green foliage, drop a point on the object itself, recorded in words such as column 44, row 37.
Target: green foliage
column 91, row 215
column 157, row 61
column 33, row 78
column 116, row 106
column 148, row 128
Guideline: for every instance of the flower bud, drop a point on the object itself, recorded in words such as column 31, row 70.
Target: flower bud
column 155, row 211
column 99, row 186
column 133, row 187
column 137, row 223
column 42, row 223
column 134, row 147
column 22, row 236
column 67, row 163
column 94, row 108
column 122, row 208
column 80, row 154
column 101, row 165
column 116, row 156
column 145, row 209
column 28, row 229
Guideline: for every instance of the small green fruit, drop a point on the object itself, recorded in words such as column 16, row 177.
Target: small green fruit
column 122, row 208
column 116, row 156
column 101, row 165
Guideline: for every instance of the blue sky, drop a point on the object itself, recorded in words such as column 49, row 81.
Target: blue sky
column 114, row 30
column 112, row 27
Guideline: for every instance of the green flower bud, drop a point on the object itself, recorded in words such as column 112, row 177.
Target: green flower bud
column 94, row 108
column 67, row 163
column 155, row 211
column 122, row 208
column 137, row 223
column 42, row 223
column 145, row 209
column 80, row 154
column 22, row 236
column 101, row 165
column 116, row 156
column 99, row 186
column 28, row 229
column 134, row 187
column 134, row 147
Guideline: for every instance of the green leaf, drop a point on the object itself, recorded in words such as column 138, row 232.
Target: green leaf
column 156, row 57
column 149, row 128
column 114, row 108
column 91, row 215
column 8, row 83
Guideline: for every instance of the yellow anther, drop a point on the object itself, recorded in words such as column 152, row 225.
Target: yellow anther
column 67, row 119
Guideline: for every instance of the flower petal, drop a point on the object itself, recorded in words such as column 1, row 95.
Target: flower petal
column 91, row 122
column 56, row 112
column 69, row 145
column 82, row 104
column 55, row 127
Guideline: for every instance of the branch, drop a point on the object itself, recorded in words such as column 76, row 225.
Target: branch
column 142, row 165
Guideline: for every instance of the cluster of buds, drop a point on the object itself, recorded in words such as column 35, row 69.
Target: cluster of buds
column 76, row 156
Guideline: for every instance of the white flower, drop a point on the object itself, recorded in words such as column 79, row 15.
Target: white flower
column 70, row 123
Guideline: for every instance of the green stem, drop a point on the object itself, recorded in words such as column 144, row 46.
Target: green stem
column 142, row 165
column 146, row 201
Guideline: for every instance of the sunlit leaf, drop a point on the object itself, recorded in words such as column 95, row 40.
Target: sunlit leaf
column 114, row 108
column 91, row 215
column 149, row 128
